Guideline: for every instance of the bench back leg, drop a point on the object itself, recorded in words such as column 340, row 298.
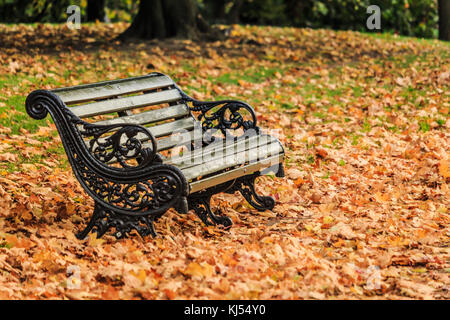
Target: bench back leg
column 246, row 186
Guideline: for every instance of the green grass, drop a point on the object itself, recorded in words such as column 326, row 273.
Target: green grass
column 424, row 126
column 252, row 75
column 5, row 244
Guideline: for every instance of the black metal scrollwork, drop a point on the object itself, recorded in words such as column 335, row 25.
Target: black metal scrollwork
column 246, row 186
column 229, row 115
column 103, row 220
column 202, row 209
column 200, row 201
column 122, row 145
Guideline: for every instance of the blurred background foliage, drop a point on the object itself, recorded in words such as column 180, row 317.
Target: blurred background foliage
column 406, row 17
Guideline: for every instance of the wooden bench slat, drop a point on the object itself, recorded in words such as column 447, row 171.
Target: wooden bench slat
column 169, row 142
column 222, row 148
column 168, row 128
column 105, row 89
column 235, row 173
column 230, row 161
column 255, row 150
column 147, row 117
column 165, row 129
column 126, row 103
column 175, row 140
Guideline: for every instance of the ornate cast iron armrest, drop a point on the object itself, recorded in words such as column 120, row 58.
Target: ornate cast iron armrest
column 97, row 144
column 226, row 117
column 119, row 142
column 148, row 188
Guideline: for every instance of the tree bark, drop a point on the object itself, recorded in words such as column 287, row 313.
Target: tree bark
column 95, row 10
column 444, row 19
column 217, row 10
column 233, row 15
column 159, row 19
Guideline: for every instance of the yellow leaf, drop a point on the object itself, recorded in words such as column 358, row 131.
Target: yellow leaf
column 93, row 241
column 328, row 219
column 29, row 167
column 141, row 275
column 381, row 197
column 201, row 270
column 267, row 240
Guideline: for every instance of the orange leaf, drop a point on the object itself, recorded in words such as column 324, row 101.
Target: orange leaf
column 298, row 182
column 443, row 168
column 170, row 294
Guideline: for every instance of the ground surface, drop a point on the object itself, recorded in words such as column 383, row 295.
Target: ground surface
column 362, row 213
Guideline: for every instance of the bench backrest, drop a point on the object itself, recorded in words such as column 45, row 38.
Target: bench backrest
column 151, row 101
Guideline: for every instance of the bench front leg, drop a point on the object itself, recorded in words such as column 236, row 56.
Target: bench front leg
column 125, row 203
column 104, row 219
column 202, row 208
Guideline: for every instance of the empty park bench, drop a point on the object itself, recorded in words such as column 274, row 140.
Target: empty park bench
column 140, row 146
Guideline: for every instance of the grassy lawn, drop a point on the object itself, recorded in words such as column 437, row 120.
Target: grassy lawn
column 365, row 122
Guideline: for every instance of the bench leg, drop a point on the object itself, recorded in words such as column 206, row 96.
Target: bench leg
column 104, row 219
column 202, row 208
column 91, row 224
column 246, row 186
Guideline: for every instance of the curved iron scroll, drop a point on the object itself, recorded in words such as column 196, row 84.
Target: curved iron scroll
column 106, row 142
column 227, row 117
column 121, row 145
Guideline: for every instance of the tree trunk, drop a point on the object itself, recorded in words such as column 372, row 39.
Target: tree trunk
column 444, row 19
column 233, row 15
column 159, row 19
column 217, row 10
column 95, row 10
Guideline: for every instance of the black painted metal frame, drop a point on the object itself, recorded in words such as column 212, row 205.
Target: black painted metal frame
column 132, row 197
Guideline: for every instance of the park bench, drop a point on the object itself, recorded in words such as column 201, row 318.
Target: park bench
column 140, row 146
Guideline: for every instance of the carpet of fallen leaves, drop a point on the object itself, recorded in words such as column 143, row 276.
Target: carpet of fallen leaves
column 361, row 214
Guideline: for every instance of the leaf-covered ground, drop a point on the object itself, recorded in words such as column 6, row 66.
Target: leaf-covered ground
column 362, row 213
